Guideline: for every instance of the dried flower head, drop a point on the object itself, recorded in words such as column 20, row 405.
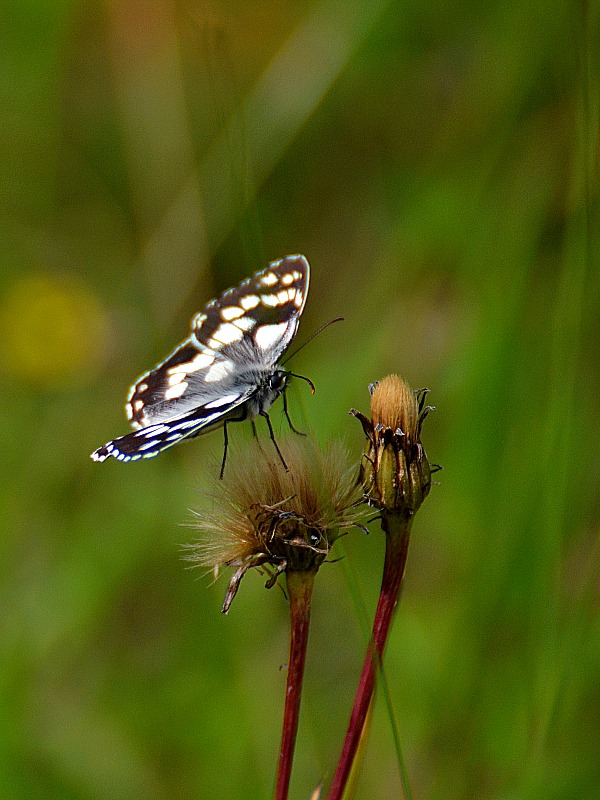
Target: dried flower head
column 395, row 473
column 263, row 516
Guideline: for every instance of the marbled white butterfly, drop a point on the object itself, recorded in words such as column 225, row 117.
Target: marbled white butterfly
column 226, row 370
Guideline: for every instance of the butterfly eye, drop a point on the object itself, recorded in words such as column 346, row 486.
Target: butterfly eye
column 277, row 381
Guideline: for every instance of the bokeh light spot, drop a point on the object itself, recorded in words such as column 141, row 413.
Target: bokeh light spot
column 52, row 330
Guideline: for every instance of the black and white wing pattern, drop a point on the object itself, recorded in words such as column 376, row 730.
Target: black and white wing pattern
column 225, row 370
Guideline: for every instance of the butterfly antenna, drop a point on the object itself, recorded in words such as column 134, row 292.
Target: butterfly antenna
column 304, row 378
column 310, row 338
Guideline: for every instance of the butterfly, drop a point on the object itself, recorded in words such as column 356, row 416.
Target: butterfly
column 226, row 370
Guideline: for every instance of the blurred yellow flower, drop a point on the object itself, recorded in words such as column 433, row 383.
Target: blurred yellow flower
column 52, row 329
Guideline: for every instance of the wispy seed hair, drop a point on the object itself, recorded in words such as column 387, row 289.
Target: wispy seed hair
column 320, row 488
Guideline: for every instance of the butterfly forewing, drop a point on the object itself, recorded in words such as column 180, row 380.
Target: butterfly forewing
column 234, row 346
column 263, row 310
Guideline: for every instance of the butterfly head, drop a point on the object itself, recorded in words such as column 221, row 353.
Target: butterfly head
column 272, row 386
column 277, row 381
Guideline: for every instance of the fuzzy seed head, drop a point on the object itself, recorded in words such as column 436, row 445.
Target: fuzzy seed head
column 262, row 516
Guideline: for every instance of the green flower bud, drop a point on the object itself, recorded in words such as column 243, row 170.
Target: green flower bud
column 395, row 472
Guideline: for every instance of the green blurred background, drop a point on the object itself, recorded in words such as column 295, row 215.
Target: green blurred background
column 438, row 165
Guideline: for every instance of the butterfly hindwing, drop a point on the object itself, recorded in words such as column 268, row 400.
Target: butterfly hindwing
column 227, row 360
column 150, row 441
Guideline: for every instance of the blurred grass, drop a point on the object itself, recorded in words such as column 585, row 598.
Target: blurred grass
column 438, row 164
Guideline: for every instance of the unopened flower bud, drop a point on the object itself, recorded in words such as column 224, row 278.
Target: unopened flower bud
column 395, row 473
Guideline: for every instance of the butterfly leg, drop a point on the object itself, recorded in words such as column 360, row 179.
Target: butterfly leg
column 226, row 441
column 225, row 444
column 272, row 435
column 287, row 416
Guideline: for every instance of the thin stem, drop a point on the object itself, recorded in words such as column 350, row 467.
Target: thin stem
column 397, row 531
column 299, row 587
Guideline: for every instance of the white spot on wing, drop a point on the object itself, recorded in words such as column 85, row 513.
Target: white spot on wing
column 148, row 445
column 249, row 302
column 269, row 300
column 201, row 361
column 227, row 333
column 188, row 423
column 267, row 336
column 198, row 320
column 269, row 279
column 231, row 312
column 222, row 401
column 245, row 323
column 152, row 430
column 176, row 391
column 217, row 372
column 287, row 279
column 179, row 371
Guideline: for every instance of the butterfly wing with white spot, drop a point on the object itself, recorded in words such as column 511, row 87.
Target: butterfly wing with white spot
column 153, row 439
column 234, row 340
column 249, row 325
column 186, row 379
column 263, row 312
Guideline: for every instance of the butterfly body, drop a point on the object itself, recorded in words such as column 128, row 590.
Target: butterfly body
column 226, row 370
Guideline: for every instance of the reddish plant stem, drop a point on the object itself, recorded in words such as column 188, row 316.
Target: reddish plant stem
column 397, row 539
column 299, row 586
